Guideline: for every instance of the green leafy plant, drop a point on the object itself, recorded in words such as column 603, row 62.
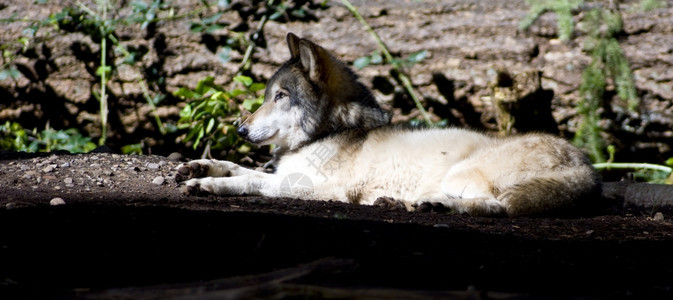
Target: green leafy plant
column 10, row 50
column 601, row 27
column 212, row 111
column 15, row 138
column 564, row 10
column 101, row 26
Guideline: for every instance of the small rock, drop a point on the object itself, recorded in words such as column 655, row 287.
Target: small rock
column 658, row 216
column 175, row 156
column 10, row 205
column 24, row 167
column 50, row 168
column 153, row 166
column 65, row 165
column 95, row 165
column 56, row 201
column 67, row 180
column 159, row 180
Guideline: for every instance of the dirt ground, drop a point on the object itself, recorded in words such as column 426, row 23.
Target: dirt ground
column 122, row 229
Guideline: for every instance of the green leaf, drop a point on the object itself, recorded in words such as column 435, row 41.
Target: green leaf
column 257, row 87
column 210, row 125
column 101, row 69
column 212, row 19
column 245, row 80
column 298, row 13
column 218, row 96
column 158, row 98
column 252, row 104
column 213, row 27
column 224, row 54
column 199, row 137
column 205, row 85
column 196, row 27
column 417, row 56
column 133, row 149
column 139, row 5
column 223, row 3
column 237, row 92
column 170, row 127
column 361, row 62
column 185, row 93
column 12, row 72
column 276, row 15
column 669, row 162
column 376, row 58
column 244, row 149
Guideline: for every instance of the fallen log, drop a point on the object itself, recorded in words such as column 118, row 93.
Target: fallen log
column 639, row 195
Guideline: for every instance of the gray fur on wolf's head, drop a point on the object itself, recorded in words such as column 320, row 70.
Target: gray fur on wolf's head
column 310, row 97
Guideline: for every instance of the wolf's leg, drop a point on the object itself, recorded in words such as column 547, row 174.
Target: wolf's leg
column 467, row 191
column 209, row 168
column 254, row 183
column 472, row 206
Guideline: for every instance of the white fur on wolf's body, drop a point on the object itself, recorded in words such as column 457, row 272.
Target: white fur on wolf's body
column 461, row 169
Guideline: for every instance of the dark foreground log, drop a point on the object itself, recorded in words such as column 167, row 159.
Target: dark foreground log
column 638, row 195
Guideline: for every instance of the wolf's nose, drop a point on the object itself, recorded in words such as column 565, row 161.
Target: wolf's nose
column 242, row 131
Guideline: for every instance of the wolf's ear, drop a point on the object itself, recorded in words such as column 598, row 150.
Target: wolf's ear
column 293, row 44
column 308, row 54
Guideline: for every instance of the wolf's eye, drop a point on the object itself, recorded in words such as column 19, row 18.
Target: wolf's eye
column 279, row 95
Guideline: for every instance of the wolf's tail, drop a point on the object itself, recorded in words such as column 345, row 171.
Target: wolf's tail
column 570, row 191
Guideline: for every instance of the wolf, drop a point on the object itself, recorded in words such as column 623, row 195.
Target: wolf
column 335, row 142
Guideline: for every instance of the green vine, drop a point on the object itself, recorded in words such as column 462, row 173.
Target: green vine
column 395, row 63
column 601, row 27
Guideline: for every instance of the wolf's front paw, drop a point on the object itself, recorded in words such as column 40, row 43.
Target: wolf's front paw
column 388, row 203
column 427, row 207
column 189, row 170
column 194, row 187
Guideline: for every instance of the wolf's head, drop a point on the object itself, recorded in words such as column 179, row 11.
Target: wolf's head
column 311, row 96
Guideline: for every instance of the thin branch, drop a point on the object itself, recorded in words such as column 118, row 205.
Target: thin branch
column 636, row 166
column 103, row 78
column 143, row 86
column 246, row 63
column 406, row 82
